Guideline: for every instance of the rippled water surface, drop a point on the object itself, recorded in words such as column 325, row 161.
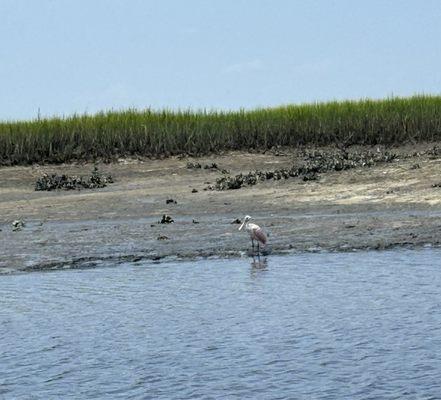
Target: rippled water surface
column 312, row 326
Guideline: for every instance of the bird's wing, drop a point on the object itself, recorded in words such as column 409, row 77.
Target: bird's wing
column 260, row 235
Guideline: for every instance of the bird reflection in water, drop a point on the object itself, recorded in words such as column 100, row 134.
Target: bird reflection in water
column 259, row 265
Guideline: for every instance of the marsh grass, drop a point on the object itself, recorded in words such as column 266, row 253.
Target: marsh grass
column 113, row 134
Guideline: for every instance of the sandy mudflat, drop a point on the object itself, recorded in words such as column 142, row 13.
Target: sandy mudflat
column 391, row 204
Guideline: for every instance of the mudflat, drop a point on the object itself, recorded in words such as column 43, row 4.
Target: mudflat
column 389, row 204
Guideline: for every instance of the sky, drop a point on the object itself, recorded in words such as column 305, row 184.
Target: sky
column 59, row 57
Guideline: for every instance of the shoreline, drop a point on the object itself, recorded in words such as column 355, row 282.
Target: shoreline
column 379, row 207
column 89, row 263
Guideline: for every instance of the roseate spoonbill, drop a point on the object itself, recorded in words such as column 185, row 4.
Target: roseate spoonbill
column 255, row 231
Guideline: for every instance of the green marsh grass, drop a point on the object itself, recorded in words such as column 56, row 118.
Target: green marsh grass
column 113, row 134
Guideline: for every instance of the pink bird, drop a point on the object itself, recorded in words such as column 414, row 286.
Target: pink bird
column 255, row 231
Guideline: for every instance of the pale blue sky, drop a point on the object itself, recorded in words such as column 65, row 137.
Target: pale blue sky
column 66, row 56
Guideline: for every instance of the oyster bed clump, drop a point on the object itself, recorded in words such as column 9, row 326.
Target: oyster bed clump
column 54, row 181
column 315, row 162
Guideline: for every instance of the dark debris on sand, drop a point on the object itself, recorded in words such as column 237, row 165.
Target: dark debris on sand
column 315, row 162
column 211, row 166
column 18, row 225
column 434, row 152
column 196, row 165
column 66, row 182
column 166, row 219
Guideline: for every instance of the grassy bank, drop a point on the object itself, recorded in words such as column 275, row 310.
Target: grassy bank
column 153, row 133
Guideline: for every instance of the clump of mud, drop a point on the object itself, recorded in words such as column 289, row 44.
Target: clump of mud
column 315, row 162
column 66, row 182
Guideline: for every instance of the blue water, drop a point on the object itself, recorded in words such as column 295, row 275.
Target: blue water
column 313, row 326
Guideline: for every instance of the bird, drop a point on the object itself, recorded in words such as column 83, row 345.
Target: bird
column 255, row 231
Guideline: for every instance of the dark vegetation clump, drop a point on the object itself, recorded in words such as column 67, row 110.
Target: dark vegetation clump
column 171, row 201
column 315, row 163
column 66, row 182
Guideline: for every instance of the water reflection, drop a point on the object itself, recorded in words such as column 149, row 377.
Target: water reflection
column 258, row 265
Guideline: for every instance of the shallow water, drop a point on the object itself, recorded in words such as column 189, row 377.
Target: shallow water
column 313, row 326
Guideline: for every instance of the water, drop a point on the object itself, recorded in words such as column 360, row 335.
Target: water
column 312, row 326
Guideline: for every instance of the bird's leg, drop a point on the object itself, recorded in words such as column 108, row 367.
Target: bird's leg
column 258, row 248
column 252, row 245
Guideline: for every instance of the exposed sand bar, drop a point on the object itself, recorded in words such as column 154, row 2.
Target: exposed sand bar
column 392, row 204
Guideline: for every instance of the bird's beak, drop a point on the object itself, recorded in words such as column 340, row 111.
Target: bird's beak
column 241, row 227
